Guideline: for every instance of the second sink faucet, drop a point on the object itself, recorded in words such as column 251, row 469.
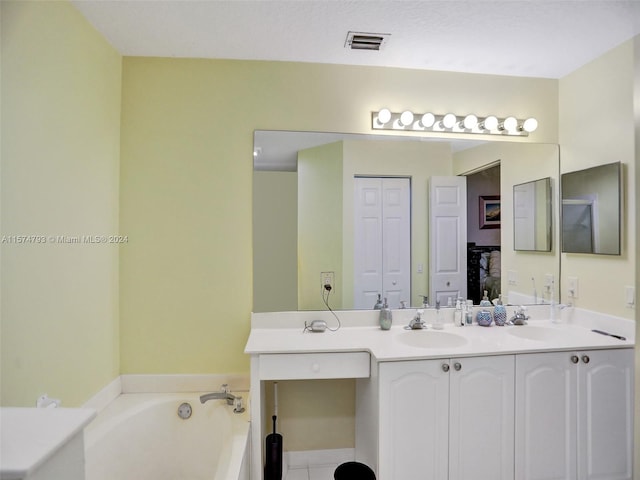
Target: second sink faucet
column 416, row 322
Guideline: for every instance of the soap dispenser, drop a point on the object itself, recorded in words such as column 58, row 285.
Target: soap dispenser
column 485, row 300
column 378, row 305
column 484, row 317
column 385, row 316
column 499, row 312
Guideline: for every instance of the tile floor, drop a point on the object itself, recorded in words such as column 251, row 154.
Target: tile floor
column 319, row 472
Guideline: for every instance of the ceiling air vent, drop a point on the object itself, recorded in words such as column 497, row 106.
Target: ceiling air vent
column 366, row 41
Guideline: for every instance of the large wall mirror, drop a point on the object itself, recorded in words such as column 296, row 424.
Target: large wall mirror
column 316, row 194
column 591, row 210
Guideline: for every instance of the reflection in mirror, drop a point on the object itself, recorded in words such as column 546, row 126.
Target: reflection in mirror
column 591, row 210
column 532, row 216
column 304, row 204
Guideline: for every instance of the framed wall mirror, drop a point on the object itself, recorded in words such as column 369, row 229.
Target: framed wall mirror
column 591, row 210
column 532, row 216
column 305, row 191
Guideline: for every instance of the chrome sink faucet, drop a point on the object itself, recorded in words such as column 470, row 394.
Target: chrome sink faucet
column 224, row 394
column 416, row 322
column 520, row 316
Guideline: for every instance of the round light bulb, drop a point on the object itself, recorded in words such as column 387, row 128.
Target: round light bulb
column 384, row 116
column 449, row 120
column 470, row 122
column 510, row 124
column 406, row 118
column 530, row 125
column 427, row 120
column 489, row 123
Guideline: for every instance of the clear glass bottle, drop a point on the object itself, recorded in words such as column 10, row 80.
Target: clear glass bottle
column 468, row 316
column 438, row 324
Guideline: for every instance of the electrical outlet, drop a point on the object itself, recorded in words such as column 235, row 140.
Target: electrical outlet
column 572, row 284
column 327, row 278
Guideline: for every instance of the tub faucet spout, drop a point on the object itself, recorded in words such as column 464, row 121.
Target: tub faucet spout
column 223, row 394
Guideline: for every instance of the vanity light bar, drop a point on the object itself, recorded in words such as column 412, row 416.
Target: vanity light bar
column 450, row 123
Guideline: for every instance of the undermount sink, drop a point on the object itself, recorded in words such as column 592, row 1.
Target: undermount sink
column 431, row 339
column 540, row 334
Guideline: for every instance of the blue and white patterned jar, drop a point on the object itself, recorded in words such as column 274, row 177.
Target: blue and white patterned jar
column 484, row 318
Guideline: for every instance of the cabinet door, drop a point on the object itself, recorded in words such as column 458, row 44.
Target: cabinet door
column 605, row 419
column 413, row 420
column 545, row 440
column 481, row 422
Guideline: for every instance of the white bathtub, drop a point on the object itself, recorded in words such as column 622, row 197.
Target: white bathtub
column 141, row 437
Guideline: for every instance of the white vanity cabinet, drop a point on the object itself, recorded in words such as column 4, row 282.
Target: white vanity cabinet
column 574, row 415
column 446, row 418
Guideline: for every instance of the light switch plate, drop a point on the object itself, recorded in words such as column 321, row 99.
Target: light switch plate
column 630, row 296
column 572, row 284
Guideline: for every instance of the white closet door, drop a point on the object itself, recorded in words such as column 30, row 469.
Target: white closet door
column 382, row 241
column 396, row 240
column 447, row 238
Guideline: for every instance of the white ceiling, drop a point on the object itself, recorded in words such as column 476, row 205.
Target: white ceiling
column 535, row 38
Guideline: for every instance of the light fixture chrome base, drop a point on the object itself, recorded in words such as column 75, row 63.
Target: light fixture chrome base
column 449, row 123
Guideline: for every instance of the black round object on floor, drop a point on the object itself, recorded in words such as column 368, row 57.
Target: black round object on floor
column 353, row 471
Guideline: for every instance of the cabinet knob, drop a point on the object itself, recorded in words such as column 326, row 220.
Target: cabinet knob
column 585, row 358
column 445, row 367
column 457, row 366
column 574, row 359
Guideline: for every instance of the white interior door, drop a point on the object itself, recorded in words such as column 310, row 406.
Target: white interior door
column 382, row 241
column 447, row 238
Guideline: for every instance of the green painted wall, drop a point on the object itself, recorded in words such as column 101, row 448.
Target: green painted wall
column 60, row 177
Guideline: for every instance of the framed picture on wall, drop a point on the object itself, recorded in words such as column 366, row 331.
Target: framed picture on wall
column 489, row 211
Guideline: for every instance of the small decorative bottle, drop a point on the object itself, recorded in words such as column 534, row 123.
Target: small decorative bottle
column 500, row 312
column 484, row 317
column 385, row 316
column 468, row 316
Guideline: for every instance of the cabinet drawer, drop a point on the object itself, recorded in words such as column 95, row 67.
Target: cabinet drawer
column 298, row 366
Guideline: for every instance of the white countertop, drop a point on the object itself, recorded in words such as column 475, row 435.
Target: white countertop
column 283, row 333
column 30, row 436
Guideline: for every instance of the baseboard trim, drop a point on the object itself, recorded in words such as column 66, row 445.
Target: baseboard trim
column 315, row 458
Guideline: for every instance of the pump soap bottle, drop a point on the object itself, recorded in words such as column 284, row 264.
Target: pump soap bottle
column 378, row 304
column 437, row 322
column 499, row 312
column 385, row 316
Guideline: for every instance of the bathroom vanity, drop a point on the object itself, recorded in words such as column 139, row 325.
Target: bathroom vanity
column 543, row 400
